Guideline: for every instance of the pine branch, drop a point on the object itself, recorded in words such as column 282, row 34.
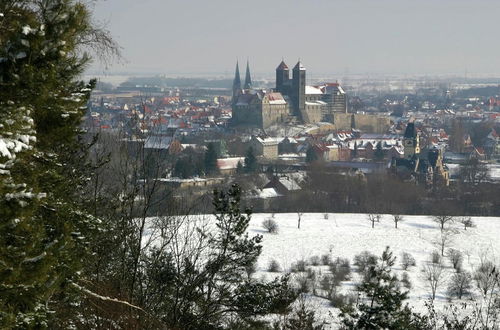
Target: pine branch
column 104, row 298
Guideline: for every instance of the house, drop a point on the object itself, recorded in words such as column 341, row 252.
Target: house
column 265, row 147
column 228, row 166
column 283, row 185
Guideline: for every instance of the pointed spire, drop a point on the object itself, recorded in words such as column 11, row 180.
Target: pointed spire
column 237, row 80
column 282, row 66
column 299, row 66
column 248, row 79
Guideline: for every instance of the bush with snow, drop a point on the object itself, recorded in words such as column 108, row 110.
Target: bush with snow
column 270, row 225
column 407, row 260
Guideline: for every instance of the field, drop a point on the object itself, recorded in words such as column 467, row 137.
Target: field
column 346, row 235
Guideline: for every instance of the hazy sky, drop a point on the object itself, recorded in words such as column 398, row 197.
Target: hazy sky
column 329, row 36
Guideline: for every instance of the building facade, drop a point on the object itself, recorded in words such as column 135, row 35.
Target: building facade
column 291, row 99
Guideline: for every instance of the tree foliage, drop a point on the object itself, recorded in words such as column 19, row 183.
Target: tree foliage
column 382, row 301
column 45, row 229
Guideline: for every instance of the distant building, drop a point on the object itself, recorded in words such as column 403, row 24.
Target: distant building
column 292, row 99
column 421, row 166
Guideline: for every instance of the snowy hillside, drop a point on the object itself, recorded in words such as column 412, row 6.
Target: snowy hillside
column 346, row 235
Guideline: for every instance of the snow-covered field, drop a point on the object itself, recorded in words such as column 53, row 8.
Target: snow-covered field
column 346, row 235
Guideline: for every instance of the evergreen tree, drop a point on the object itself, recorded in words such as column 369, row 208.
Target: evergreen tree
column 311, row 155
column 44, row 228
column 239, row 168
column 379, row 152
column 211, row 160
column 251, row 165
column 202, row 286
column 355, row 150
column 382, row 305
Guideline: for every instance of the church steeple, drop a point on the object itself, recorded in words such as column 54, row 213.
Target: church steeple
column 248, row 79
column 236, row 82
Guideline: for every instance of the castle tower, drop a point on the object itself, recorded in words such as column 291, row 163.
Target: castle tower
column 411, row 141
column 248, row 79
column 282, row 77
column 298, row 89
column 236, row 83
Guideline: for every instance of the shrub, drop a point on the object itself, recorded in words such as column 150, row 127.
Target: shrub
column 314, row 261
column 303, row 283
column 456, row 258
column 299, row 266
column 341, row 269
column 405, row 280
column 270, row 225
column 326, row 259
column 364, row 260
column 273, row 266
column 342, row 301
column 329, row 284
column 407, row 260
column 435, row 257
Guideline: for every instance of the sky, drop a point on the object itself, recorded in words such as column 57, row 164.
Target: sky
column 206, row 37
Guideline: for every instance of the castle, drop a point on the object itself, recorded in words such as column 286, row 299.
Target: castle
column 290, row 100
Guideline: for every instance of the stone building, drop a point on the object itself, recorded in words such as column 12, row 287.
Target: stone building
column 290, row 99
column 424, row 167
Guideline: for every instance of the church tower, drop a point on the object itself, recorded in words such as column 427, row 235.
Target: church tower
column 299, row 89
column 236, row 83
column 248, row 79
column 411, row 141
column 282, row 77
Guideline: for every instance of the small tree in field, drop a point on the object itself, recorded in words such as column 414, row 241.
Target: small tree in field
column 442, row 220
column 374, row 218
column 460, row 285
column 407, row 260
column 270, row 225
column 444, row 240
column 456, row 258
column 466, row 222
column 433, row 274
column 397, row 218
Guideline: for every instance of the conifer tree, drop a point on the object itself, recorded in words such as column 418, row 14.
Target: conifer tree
column 379, row 153
column 43, row 228
column 382, row 305
column 211, row 160
column 311, row 156
column 251, row 165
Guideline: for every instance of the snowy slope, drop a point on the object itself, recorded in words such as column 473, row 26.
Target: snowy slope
column 345, row 235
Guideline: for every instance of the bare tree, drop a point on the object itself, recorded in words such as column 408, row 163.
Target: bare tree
column 466, row 221
column 474, row 172
column 460, row 285
column 443, row 219
column 456, row 258
column 397, row 218
column 487, row 277
column 299, row 214
column 433, row 274
column 444, row 240
column 374, row 218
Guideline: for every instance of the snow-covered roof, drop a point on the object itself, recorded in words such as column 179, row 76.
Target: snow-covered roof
column 313, row 90
column 269, row 140
column 158, row 142
column 275, row 98
column 289, row 184
column 229, row 163
column 268, row 193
